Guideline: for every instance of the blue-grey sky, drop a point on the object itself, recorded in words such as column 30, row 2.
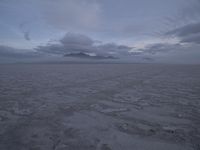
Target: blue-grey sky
column 155, row 30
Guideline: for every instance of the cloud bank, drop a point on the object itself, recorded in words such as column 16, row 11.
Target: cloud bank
column 72, row 43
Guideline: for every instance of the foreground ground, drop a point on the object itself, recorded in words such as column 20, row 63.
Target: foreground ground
column 99, row 107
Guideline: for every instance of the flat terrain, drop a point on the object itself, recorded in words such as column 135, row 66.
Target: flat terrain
column 99, row 107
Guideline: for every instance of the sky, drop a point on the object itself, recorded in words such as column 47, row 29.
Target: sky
column 156, row 31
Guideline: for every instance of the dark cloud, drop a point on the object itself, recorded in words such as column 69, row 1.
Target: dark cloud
column 188, row 34
column 194, row 38
column 27, row 36
column 25, row 31
column 52, row 49
column 76, row 39
column 170, row 53
column 88, row 56
column 10, row 52
column 77, row 42
column 113, row 48
column 71, row 43
column 159, row 48
column 186, row 30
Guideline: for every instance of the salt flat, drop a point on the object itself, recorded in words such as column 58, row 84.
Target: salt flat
column 99, row 107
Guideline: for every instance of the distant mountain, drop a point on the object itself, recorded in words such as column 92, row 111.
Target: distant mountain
column 87, row 56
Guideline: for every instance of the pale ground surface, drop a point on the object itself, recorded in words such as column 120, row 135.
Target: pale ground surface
column 99, row 107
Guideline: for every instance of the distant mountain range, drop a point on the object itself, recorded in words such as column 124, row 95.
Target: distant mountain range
column 87, row 56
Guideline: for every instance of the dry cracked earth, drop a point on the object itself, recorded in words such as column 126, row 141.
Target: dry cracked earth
column 99, row 107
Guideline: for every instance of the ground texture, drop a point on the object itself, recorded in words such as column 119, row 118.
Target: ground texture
column 99, row 107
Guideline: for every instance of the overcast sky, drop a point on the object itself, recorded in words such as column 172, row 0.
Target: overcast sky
column 132, row 30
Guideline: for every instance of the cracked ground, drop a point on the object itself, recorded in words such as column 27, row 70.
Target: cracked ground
column 99, row 107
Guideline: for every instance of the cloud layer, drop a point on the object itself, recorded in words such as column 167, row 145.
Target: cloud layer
column 10, row 52
column 116, row 27
column 72, row 42
column 189, row 33
column 158, row 48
